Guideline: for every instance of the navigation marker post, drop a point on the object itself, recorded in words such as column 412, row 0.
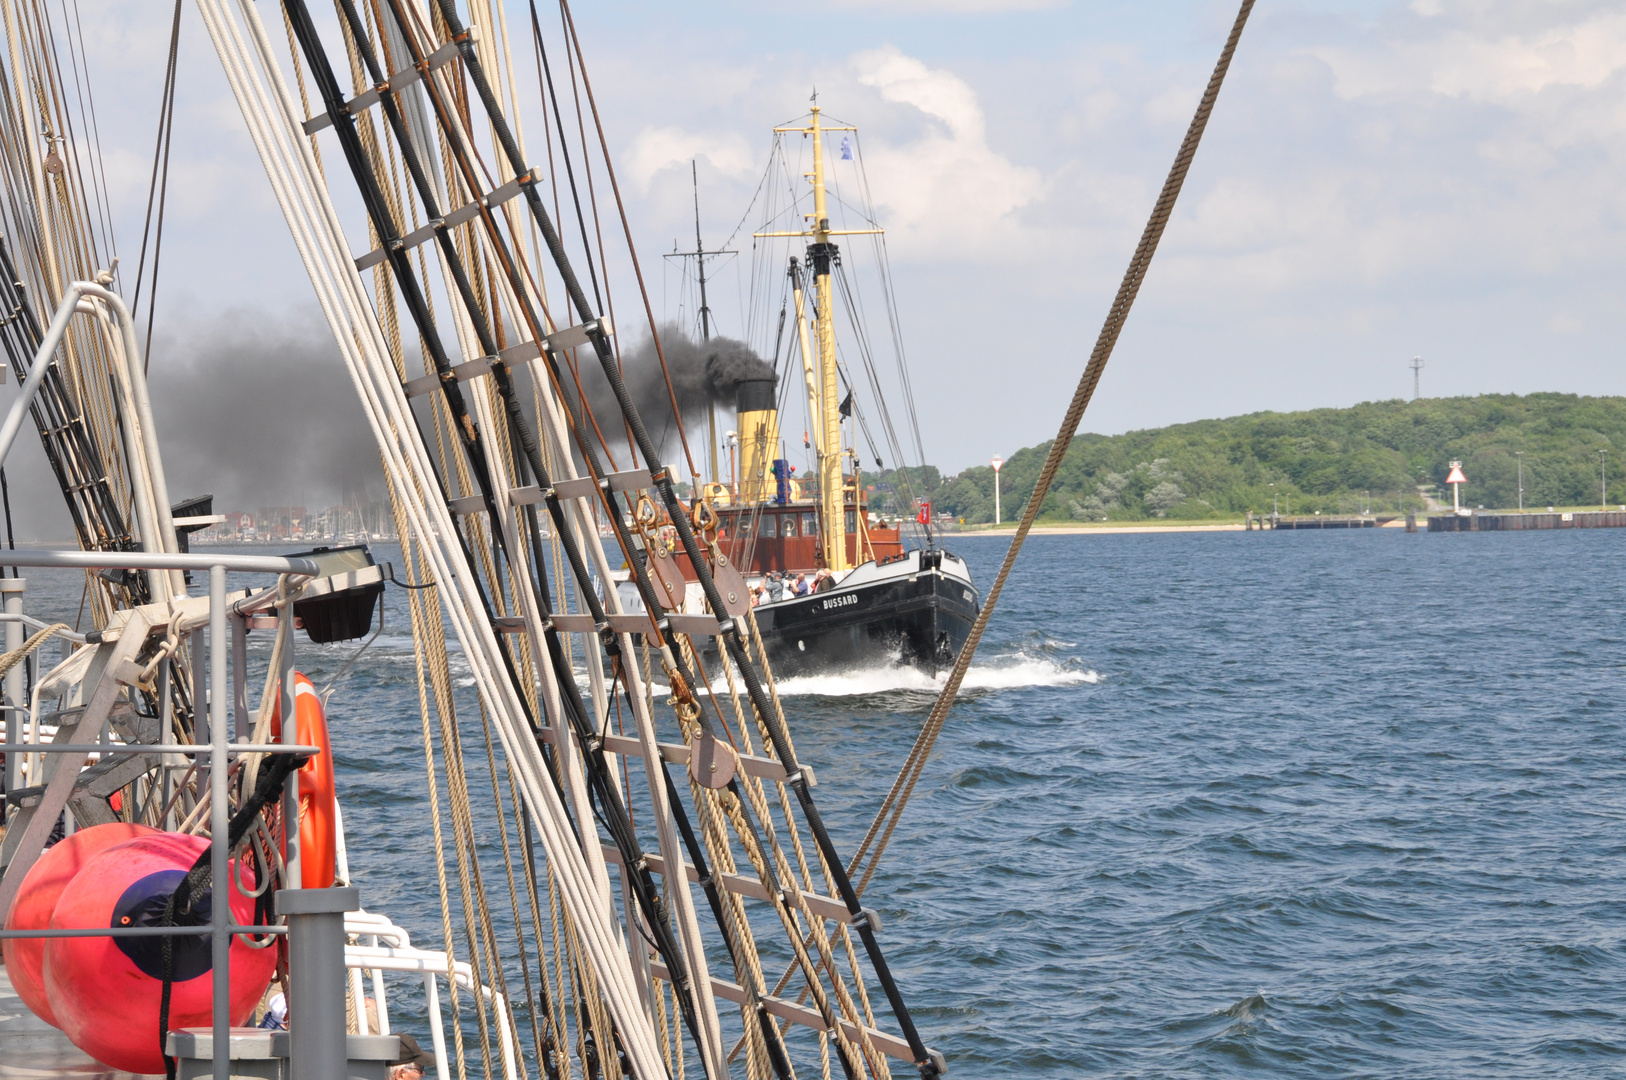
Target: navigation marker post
column 996, row 463
column 1456, row 480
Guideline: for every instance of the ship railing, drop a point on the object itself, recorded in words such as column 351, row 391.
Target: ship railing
column 318, row 1048
column 382, row 946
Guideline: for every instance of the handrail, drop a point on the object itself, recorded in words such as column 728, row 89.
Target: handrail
column 30, row 621
column 147, row 560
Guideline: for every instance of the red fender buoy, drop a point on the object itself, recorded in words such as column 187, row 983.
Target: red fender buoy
column 36, row 899
column 318, row 818
column 105, row 992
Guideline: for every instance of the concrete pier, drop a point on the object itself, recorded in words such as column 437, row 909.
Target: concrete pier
column 1331, row 521
column 1481, row 522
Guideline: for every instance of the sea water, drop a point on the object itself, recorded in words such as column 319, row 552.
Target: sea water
column 1329, row 804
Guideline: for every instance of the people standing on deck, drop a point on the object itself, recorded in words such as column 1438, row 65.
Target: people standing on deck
column 800, row 588
column 776, row 587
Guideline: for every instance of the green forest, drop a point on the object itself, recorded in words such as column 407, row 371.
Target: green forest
column 1380, row 454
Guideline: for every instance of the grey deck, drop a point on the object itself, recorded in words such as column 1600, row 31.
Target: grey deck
column 31, row 1049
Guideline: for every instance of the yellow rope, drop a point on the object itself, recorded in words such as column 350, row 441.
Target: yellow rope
column 17, row 656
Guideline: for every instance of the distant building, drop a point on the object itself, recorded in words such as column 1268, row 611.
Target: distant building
column 350, row 523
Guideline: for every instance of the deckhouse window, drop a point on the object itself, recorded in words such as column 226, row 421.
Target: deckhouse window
column 769, row 528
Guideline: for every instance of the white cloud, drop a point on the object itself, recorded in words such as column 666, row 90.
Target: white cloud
column 950, row 7
column 945, row 187
column 1473, row 64
column 656, row 149
column 1499, row 54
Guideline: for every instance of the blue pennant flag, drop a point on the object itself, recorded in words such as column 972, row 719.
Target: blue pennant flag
column 846, row 148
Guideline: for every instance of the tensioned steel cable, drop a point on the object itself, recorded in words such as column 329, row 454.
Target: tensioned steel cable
column 891, row 811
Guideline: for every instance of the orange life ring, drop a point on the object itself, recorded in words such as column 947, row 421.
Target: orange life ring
column 318, row 800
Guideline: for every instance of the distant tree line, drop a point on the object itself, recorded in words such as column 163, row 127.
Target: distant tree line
column 1384, row 453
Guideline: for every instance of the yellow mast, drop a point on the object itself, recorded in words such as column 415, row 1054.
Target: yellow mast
column 821, row 253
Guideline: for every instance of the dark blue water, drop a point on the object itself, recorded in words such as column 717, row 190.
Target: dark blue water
column 1330, row 805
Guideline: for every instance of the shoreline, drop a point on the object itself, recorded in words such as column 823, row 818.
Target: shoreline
column 1083, row 530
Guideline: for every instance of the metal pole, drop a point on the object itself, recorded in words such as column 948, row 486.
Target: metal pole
column 1520, row 455
column 12, row 589
column 290, row 735
column 316, row 980
column 219, row 820
column 239, row 678
column 1603, row 482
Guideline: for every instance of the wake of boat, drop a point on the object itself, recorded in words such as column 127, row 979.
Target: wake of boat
column 1005, row 673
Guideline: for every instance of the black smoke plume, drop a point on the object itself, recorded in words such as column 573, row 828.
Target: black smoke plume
column 256, row 409
column 703, row 373
column 261, row 413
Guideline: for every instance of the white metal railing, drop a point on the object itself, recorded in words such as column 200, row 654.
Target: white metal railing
column 385, row 946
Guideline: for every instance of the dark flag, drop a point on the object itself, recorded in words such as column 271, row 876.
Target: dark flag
column 847, row 406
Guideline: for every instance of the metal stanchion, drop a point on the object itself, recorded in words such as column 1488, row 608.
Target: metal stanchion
column 316, row 975
column 15, row 696
column 219, row 820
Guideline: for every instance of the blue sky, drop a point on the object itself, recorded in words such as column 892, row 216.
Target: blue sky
column 1380, row 180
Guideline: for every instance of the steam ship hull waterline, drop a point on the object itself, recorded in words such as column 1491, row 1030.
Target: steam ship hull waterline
column 915, row 611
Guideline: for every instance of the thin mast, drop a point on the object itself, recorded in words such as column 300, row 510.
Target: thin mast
column 699, row 255
column 821, row 255
column 705, row 313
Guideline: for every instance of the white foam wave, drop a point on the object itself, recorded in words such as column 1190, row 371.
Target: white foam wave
column 1017, row 672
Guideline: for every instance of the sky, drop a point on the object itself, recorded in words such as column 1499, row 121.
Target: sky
column 1379, row 180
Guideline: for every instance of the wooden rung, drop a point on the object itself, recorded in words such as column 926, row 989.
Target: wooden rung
column 630, row 624
column 631, row 480
column 584, row 487
column 678, row 754
column 469, row 369
column 822, row 906
column 575, row 624
column 394, row 84
column 572, row 336
column 457, row 217
column 890, row 1045
column 468, row 504
column 693, row 625
column 518, row 354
